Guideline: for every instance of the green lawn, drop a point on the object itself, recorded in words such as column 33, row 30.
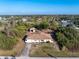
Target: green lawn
column 47, row 50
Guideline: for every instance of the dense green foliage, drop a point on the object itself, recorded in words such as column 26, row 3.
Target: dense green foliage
column 42, row 25
column 68, row 37
column 0, row 24
column 53, row 25
column 7, row 42
column 20, row 29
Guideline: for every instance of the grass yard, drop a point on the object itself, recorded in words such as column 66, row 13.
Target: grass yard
column 13, row 52
column 47, row 50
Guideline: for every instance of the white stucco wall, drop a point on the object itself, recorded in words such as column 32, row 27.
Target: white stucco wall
column 34, row 41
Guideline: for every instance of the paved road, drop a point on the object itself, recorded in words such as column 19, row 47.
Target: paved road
column 23, row 57
column 45, row 58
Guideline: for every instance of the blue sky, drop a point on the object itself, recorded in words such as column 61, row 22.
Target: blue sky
column 20, row 7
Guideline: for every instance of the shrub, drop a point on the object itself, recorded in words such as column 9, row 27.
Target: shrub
column 42, row 25
column 68, row 37
column 7, row 42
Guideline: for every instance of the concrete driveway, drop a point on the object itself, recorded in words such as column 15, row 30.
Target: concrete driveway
column 26, row 50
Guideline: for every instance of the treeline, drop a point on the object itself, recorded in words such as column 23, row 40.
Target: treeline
column 68, row 37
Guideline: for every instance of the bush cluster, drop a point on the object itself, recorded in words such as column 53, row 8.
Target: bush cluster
column 68, row 37
column 7, row 43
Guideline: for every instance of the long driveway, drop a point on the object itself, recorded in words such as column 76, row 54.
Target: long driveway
column 26, row 50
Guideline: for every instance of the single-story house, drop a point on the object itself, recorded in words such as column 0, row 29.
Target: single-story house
column 24, row 19
column 66, row 23
column 34, row 36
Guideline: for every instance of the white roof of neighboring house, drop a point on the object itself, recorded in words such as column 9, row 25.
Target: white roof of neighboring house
column 0, row 18
column 24, row 19
column 65, row 22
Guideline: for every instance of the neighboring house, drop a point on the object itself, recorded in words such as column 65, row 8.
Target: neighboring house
column 34, row 36
column 24, row 19
column 66, row 23
column 0, row 18
column 3, row 19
